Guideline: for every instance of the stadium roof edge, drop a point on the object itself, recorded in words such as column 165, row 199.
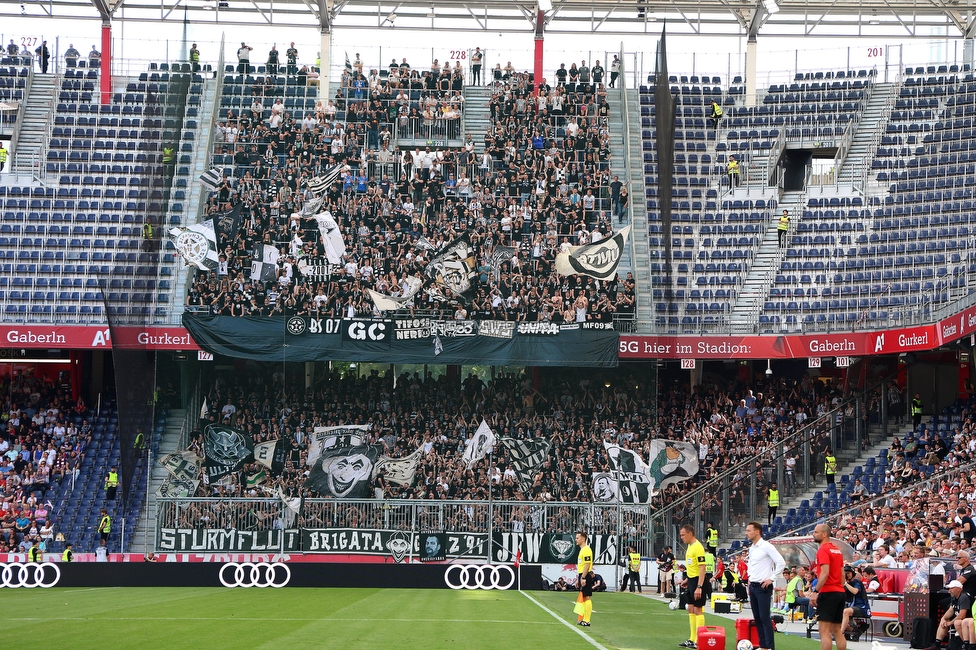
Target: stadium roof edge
column 816, row 18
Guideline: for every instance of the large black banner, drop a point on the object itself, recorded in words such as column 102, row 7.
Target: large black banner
column 406, row 341
column 397, row 545
column 221, row 540
column 551, row 548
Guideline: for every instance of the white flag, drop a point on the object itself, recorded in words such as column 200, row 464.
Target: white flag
column 197, row 245
column 335, row 248
column 480, row 445
column 204, row 411
column 411, row 285
column 399, row 470
column 264, row 452
column 599, row 260
column 291, row 508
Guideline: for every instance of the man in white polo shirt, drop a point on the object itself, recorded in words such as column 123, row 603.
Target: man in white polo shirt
column 765, row 564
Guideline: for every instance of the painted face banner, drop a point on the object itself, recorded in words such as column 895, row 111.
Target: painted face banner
column 344, row 472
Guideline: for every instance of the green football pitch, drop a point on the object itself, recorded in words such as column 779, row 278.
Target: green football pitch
column 390, row 619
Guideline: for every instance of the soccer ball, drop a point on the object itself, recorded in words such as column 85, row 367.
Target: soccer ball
column 673, row 605
column 744, row 644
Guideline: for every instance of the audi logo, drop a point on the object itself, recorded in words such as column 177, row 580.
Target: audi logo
column 28, row 576
column 255, row 574
column 479, row 576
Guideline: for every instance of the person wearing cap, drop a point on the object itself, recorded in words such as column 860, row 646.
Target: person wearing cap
column 960, row 609
column 856, row 601
column 244, row 58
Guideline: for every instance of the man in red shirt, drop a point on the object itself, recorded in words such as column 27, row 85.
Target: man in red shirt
column 828, row 596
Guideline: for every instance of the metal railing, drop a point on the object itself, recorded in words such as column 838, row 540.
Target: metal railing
column 733, row 497
column 629, row 523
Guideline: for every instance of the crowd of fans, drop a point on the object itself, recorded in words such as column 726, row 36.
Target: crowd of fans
column 576, row 411
column 541, row 184
column 40, row 446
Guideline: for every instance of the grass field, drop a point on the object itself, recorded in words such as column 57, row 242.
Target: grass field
column 340, row 618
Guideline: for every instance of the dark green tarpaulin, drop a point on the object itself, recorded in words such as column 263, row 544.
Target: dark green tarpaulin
column 390, row 341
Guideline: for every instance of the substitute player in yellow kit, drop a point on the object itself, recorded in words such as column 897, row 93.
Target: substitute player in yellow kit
column 694, row 591
column 584, row 582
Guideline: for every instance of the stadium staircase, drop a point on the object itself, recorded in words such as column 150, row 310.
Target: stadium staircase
column 166, row 441
column 199, row 162
column 78, row 503
column 477, row 118
column 35, row 130
column 873, row 120
column 625, row 143
column 766, row 263
column 800, row 510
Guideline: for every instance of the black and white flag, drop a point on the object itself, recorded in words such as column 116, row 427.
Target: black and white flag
column 455, row 267
column 197, row 245
column 631, row 474
column 344, row 472
column 480, row 445
column 324, row 438
column 291, row 508
column 321, row 184
column 211, row 178
column 424, row 244
column 605, row 487
column 317, row 268
column 226, row 450
column 271, row 454
column 500, row 255
column 264, row 266
column 399, row 470
column 312, row 206
column 438, row 346
column 410, row 286
column 526, row 456
column 177, row 488
column 599, row 260
column 183, row 465
column 226, row 224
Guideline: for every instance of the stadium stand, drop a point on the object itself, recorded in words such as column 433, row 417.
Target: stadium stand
column 536, row 188
column 60, row 242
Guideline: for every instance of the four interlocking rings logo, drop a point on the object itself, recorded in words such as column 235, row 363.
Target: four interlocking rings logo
column 28, row 576
column 479, row 576
column 255, row 574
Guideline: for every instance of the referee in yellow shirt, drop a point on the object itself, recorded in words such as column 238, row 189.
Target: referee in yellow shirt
column 694, row 591
column 584, row 582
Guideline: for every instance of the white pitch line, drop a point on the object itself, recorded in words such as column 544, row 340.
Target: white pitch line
column 593, row 642
column 242, row 618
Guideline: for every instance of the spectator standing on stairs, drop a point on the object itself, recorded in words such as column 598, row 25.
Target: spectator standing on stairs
column 614, row 71
column 43, row 56
column 783, row 227
column 476, row 58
